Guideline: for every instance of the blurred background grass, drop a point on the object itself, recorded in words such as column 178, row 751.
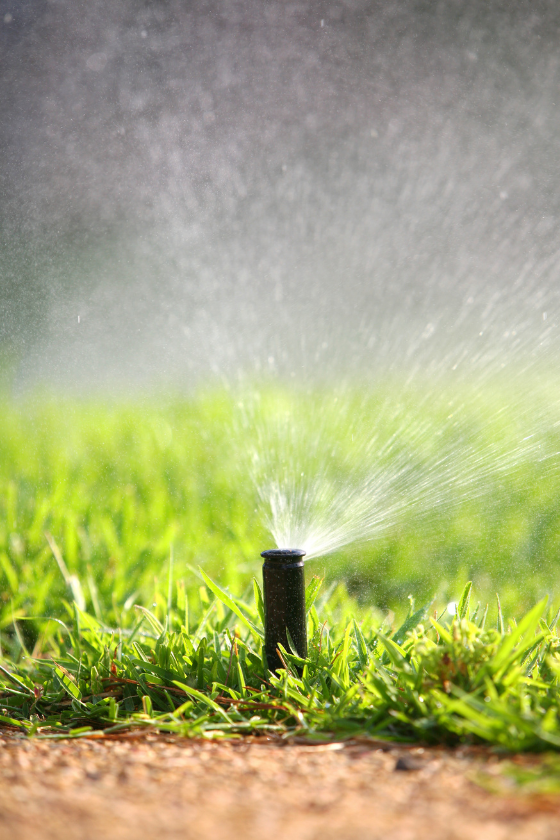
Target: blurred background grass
column 120, row 484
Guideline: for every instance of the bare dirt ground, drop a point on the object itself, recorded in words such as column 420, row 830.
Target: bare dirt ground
column 160, row 787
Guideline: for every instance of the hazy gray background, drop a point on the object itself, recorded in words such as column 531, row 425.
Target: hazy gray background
column 298, row 186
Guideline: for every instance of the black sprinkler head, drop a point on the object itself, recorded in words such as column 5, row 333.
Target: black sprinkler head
column 284, row 603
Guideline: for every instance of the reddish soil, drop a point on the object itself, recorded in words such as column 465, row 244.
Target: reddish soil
column 163, row 788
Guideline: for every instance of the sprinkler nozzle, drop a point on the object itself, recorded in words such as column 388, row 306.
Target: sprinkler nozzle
column 284, row 603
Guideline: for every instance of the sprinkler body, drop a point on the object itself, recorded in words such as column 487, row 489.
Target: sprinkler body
column 284, row 603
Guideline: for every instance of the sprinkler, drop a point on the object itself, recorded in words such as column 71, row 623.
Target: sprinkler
column 284, row 603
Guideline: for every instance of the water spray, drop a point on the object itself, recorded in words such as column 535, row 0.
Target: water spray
column 284, row 604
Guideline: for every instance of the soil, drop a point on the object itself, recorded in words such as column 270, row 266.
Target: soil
column 163, row 787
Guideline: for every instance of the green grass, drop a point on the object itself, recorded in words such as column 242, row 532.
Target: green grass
column 97, row 631
column 117, row 485
column 434, row 680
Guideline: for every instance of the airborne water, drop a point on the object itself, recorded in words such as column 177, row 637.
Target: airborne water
column 327, row 195
column 345, row 464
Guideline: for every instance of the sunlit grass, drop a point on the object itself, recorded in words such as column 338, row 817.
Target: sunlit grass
column 107, row 510
column 433, row 678
column 116, row 486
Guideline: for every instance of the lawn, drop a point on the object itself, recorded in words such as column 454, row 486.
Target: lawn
column 122, row 523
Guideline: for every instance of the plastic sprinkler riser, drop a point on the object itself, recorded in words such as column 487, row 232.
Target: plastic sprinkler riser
column 284, row 604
